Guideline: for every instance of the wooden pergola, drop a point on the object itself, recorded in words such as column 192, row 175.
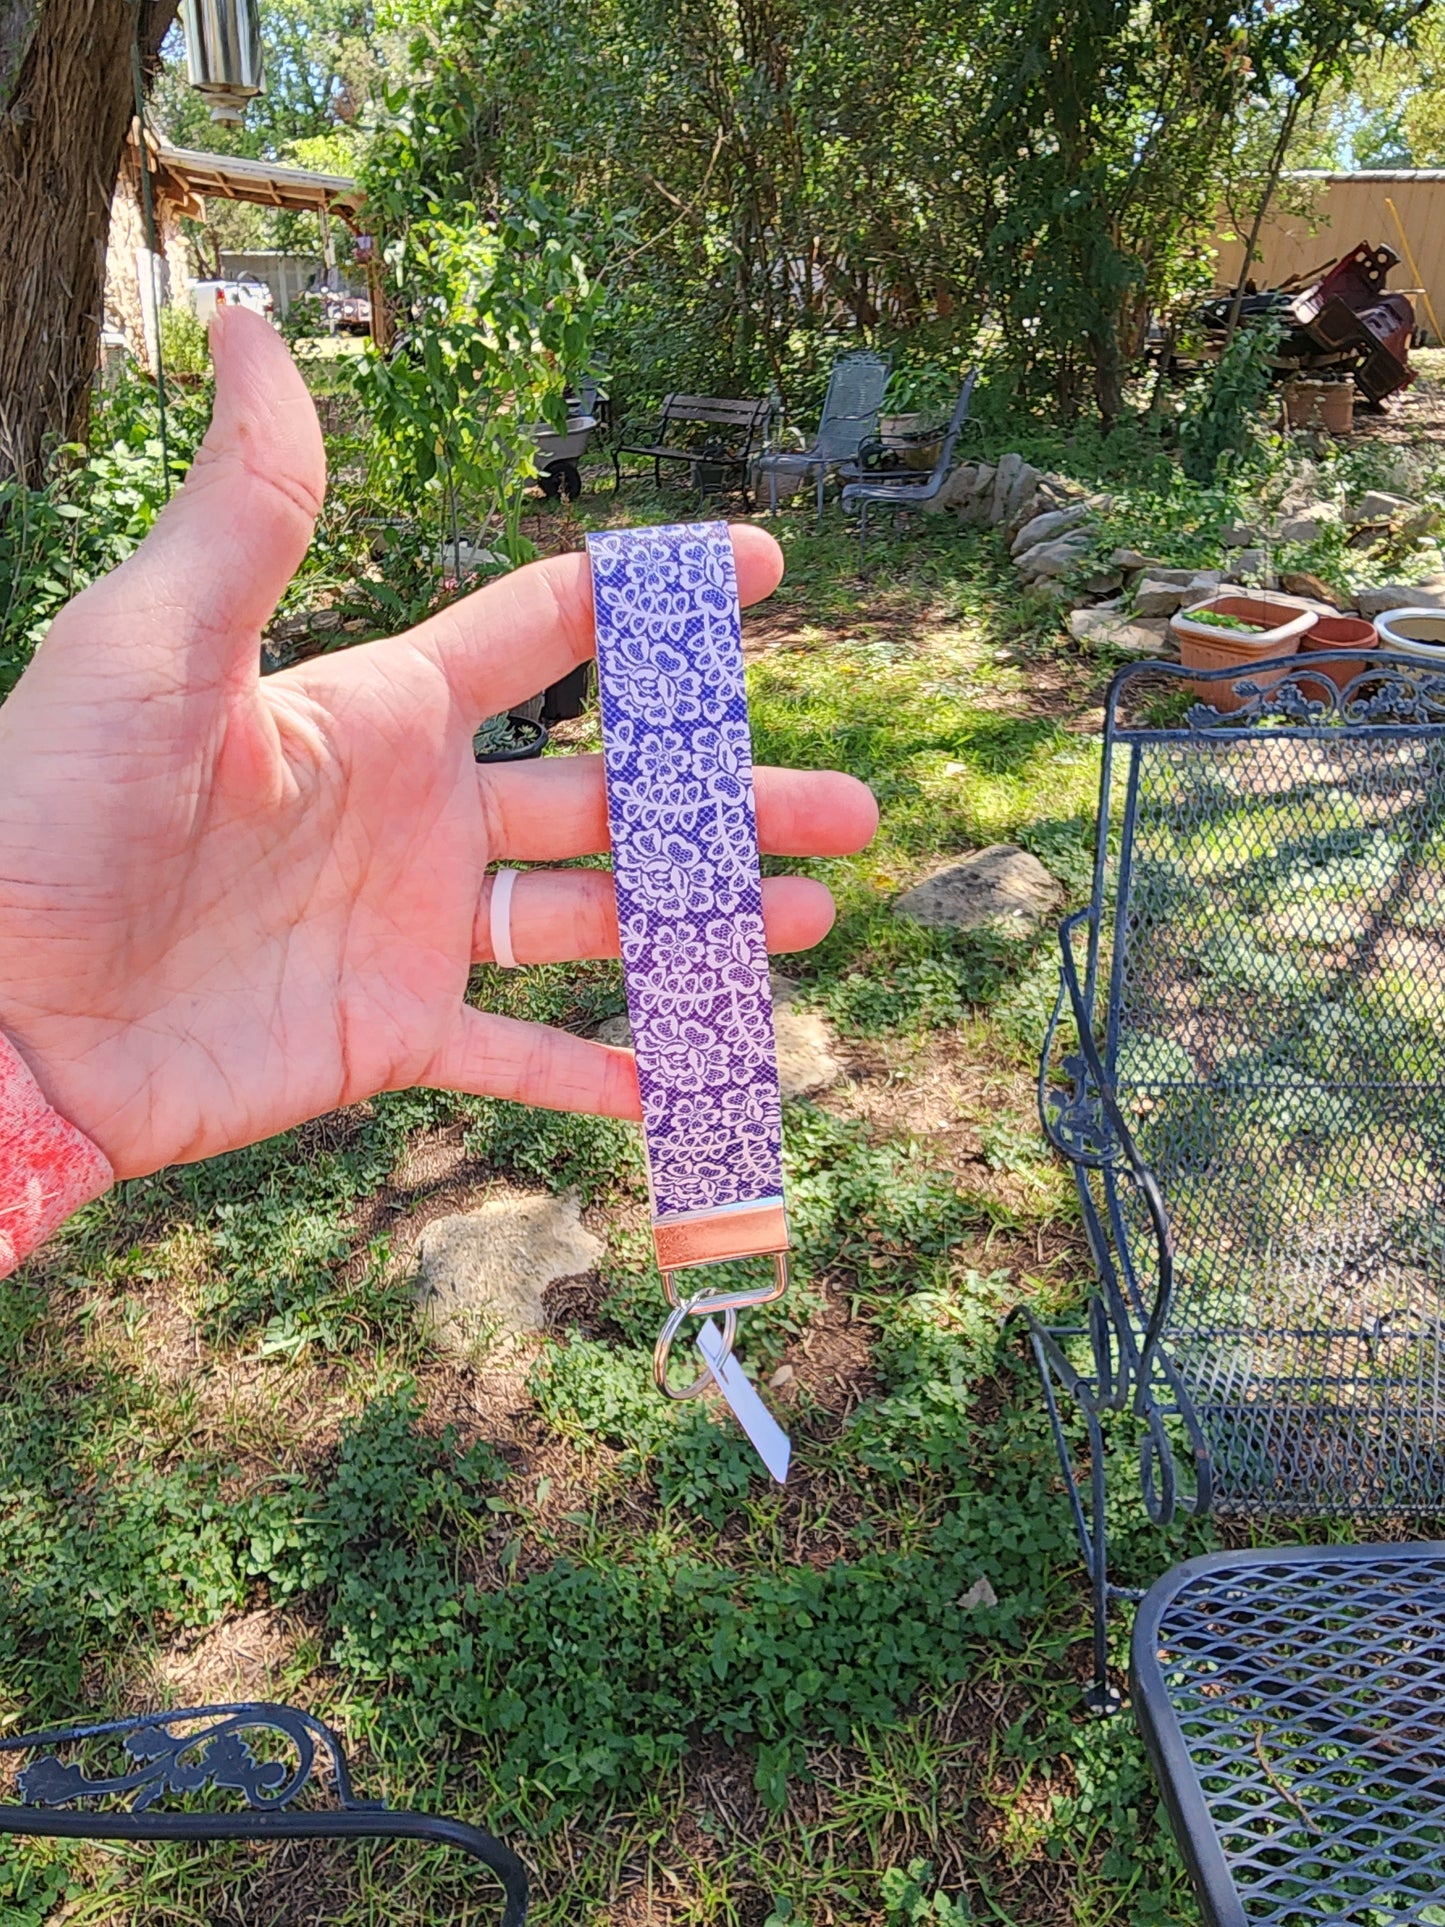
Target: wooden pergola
column 187, row 177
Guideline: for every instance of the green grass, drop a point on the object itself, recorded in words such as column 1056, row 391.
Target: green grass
column 537, row 1596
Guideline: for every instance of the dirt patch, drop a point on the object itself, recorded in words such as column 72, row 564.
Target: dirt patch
column 241, row 1659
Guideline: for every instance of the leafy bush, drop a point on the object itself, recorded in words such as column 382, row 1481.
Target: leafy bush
column 185, row 348
column 1223, row 416
column 89, row 514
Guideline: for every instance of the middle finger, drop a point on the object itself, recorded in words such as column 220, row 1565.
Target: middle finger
column 542, row 812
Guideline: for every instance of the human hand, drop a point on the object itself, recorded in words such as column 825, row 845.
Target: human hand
column 228, row 904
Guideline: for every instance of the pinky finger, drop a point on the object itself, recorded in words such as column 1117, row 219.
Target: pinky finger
column 488, row 1056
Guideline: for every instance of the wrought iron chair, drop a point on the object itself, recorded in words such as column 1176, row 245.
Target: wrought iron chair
column 850, row 415
column 1256, row 1110
column 1291, row 1703
column 900, row 492
column 105, row 1782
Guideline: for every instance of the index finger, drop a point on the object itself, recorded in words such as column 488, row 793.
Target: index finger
column 516, row 636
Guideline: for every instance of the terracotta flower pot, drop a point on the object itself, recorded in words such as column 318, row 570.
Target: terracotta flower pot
column 1281, row 620
column 1333, row 637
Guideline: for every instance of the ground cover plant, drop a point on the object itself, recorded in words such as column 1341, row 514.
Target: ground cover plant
column 236, row 1462
column 525, row 1588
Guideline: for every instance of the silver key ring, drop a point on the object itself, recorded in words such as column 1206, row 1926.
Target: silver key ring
column 693, row 1308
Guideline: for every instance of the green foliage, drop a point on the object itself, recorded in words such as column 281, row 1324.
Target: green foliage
column 909, row 1903
column 185, row 346
column 1224, row 413
column 89, row 514
column 499, row 318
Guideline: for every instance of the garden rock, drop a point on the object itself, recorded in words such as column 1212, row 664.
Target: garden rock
column 1310, row 523
column 804, row 1044
column 1022, row 483
column 1045, row 527
column 980, row 1593
column 1248, row 563
column 1154, row 596
column 1205, row 582
column 1399, row 595
column 1239, row 535
column 1376, row 506
column 1132, row 561
column 1001, row 882
column 486, row 1270
column 975, row 508
column 1055, row 558
column 961, row 486
column 1107, row 629
column 1300, row 582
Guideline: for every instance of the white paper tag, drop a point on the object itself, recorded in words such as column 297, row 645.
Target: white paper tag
column 768, row 1437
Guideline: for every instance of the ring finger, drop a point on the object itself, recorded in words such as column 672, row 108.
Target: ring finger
column 562, row 916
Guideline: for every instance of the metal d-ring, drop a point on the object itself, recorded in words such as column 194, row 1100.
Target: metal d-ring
column 733, row 1300
column 669, row 1332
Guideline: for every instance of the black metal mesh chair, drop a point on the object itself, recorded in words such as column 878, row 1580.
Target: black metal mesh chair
column 108, row 1781
column 1256, row 1110
column 1293, row 1704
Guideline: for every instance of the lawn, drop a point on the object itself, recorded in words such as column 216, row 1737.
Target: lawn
column 524, row 1588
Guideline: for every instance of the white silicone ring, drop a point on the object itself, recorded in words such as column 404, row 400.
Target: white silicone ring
column 501, row 918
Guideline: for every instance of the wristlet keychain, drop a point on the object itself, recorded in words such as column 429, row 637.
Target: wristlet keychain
column 689, row 906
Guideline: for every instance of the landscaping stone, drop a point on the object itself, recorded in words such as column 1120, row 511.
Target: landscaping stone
column 1205, row 582
column 1055, row 558
column 960, row 486
column 1248, row 562
column 804, row 1043
column 1309, row 523
column 1103, row 582
column 1300, row 582
column 1046, row 527
column 1107, row 629
column 980, row 1593
column 486, row 1270
column 1375, row 505
column 1002, row 881
column 1004, row 479
column 975, row 511
column 1399, row 595
column 1154, row 596
column 1239, row 535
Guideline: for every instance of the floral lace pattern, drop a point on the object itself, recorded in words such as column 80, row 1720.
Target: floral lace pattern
column 685, row 861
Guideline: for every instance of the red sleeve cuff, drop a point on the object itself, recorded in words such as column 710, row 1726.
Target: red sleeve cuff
column 48, row 1169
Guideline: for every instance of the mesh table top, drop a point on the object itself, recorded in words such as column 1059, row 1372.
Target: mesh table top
column 1294, row 1705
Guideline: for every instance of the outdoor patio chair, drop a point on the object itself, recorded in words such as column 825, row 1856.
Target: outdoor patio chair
column 106, row 1782
column 911, row 491
column 850, row 415
column 1255, row 1112
column 1291, row 1703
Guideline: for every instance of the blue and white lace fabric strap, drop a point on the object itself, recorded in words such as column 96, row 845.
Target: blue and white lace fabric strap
column 689, row 895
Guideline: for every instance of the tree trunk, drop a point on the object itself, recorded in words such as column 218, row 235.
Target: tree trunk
column 66, row 101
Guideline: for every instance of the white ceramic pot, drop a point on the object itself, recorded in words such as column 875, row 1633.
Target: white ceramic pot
column 1414, row 632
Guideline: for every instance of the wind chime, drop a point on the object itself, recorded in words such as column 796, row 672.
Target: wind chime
column 223, row 54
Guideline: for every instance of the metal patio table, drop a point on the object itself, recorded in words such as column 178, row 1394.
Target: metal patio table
column 1293, row 1706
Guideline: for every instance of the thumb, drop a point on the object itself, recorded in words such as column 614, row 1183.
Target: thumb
column 223, row 550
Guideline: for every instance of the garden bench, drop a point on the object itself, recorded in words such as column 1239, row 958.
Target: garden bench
column 1255, row 1114
column 728, row 450
column 110, row 1780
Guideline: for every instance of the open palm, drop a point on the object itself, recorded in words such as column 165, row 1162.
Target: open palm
column 228, row 904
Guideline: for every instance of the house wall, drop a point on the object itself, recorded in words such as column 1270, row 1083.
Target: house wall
column 1343, row 210
column 126, row 259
